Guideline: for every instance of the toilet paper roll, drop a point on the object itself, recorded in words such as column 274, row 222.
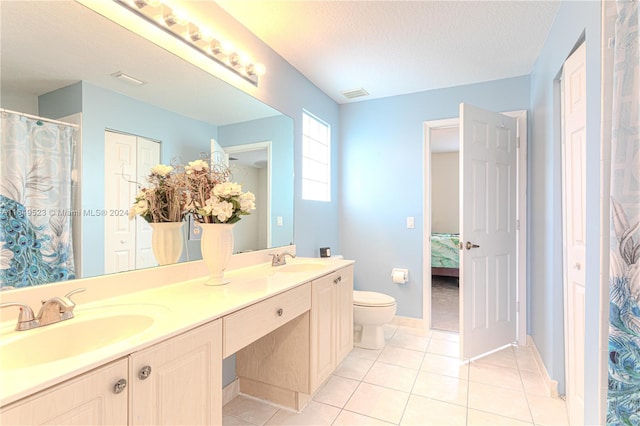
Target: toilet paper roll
column 398, row 277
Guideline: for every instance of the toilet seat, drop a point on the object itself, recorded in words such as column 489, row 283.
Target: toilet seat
column 371, row 298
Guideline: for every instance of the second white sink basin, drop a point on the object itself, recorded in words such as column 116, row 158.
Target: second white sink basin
column 69, row 338
column 301, row 267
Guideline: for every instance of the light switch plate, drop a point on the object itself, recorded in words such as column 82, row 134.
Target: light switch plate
column 411, row 222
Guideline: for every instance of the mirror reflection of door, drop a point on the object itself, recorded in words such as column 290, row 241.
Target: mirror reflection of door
column 250, row 165
column 128, row 159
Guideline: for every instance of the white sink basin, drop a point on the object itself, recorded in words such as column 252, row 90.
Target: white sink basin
column 301, row 267
column 69, row 338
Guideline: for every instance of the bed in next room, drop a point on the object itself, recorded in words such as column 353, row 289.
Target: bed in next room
column 445, row 254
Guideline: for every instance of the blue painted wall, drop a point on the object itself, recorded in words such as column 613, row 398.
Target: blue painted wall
column 284, row 88
column 574, row 19
column 278, row 130
column 381, row 171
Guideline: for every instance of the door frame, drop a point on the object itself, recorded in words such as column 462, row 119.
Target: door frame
column 259, row 146
column 521, row 250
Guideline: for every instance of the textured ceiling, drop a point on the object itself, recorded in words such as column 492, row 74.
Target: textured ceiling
column 398, row 47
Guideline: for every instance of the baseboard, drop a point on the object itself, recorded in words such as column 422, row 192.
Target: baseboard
column 552, row 385
column 407, row 322
column 230, row 391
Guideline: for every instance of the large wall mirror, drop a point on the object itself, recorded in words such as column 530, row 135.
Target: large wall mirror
column 60, row 60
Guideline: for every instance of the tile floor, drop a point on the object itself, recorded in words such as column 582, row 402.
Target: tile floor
column 416, row 380
column 445, row 303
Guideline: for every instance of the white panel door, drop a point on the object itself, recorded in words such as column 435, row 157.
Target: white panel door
column 120, row 191
column 148, row 156
column 488, row 166
column 574, row 191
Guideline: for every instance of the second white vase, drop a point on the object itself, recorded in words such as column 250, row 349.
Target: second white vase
column 167, row 241
column 216, row 245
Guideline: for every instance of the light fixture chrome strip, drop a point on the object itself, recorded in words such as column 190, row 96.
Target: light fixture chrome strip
column 190, row 34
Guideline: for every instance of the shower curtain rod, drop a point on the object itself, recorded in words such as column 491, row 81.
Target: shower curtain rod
column 35, row 117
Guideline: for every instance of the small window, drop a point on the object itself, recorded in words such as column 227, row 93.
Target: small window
column 316, row 159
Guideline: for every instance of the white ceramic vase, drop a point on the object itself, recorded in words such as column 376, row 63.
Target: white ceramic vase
column 216, row 245
column 167, row 241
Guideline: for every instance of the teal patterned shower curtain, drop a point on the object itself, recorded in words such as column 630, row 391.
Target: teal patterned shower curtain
column 624, row 277
column 36, row 200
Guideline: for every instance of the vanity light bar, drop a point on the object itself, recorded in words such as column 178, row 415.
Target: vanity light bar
column 178, row 25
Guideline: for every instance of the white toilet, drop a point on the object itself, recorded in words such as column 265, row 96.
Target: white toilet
column 371, row 311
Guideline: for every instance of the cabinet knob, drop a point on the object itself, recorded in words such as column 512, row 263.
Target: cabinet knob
column 120, row 385
column 144, row 372
column 280, row 312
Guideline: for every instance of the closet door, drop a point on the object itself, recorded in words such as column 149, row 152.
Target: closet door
column 120, row 191
column 128, row 160
column 147, row 155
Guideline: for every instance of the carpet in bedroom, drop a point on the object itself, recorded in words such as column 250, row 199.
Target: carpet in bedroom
column 444, row 303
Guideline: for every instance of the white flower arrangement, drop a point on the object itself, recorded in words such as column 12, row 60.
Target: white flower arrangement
column 212, row 197
column 198, row 189
column 163, row 199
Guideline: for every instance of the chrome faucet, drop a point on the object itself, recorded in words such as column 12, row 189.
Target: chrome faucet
column 57, row 308
column 279, row 259
column 53, row 310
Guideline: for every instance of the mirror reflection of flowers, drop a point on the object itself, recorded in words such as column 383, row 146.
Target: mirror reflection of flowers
column 212, row 198
column 163, row 198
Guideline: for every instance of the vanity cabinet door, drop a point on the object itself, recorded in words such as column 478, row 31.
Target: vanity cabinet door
column 331, row 323
column 344, row 313
column 179, row 381
column 323, row 324
column 89, row 399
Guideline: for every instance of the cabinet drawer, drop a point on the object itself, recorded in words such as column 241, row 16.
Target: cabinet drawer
column 251, row 323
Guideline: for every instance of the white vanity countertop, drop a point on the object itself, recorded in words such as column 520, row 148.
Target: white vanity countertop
column 175, row 309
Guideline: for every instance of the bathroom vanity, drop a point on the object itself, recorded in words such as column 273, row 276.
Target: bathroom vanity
column 289, row 326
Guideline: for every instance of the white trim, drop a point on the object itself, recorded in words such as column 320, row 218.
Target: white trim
column 407, row 322
column 521, row 298
column 552, row 385
column 521, row 249
column 256, row 147
column 230, row 391
column 609, row 15
column 426, row 210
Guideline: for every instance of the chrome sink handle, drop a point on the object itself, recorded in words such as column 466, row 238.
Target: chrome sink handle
column 26, row 319
column 66, row 312
column 279, row 259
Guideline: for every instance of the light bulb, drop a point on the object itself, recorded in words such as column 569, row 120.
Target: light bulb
column 194, row 32
column 255, row 70
column 215, row 47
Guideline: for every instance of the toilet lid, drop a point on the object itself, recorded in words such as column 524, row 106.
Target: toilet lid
column 371, row 298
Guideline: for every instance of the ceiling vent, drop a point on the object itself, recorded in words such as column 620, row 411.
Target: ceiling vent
column 355, row 93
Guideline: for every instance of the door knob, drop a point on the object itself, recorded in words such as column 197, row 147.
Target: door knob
column 469, row 245
column 578, row 266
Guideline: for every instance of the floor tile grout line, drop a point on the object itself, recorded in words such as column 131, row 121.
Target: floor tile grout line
column 526, row 394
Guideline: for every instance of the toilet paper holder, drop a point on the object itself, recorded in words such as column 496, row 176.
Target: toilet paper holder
column 399, row 276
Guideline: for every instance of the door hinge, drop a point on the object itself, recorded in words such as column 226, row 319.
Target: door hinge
column 518, row 306
column 517, row 224
column 517, row 141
